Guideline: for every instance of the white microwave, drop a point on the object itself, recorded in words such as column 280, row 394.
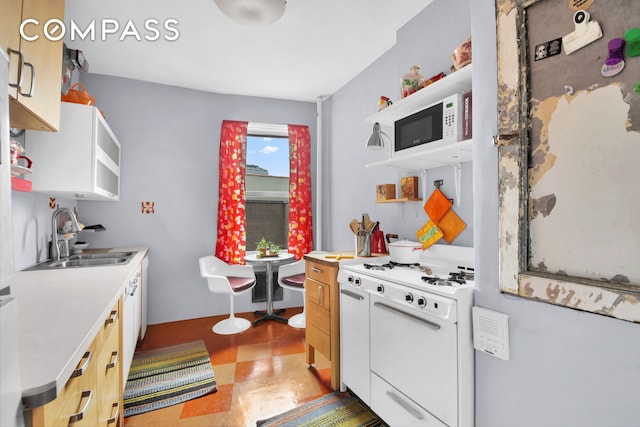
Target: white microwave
column 438, row 124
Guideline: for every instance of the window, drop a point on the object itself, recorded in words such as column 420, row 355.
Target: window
column 231, row 239
column 267, row 199
column 267, row 189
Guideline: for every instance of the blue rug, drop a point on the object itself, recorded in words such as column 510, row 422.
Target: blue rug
column 335, row 409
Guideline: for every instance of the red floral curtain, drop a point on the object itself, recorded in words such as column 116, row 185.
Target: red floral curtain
column 300, row 224
column 231, row 244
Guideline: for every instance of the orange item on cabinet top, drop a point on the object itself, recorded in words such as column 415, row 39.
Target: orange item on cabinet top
column 78, row 96
column 433, row 79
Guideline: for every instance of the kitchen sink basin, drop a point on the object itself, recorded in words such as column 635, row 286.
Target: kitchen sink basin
column 101, row 256
column 87, row 260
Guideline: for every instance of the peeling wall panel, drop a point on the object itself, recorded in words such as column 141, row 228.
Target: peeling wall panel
column 594, row 173
column 570, row 178
column 583, row 297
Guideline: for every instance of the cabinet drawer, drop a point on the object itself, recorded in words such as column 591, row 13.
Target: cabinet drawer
column 321, row 272
column 319, row 317
column 77, row 396
column 109, row 372
column 319, row 340
column 318, row 293
column 110, row 333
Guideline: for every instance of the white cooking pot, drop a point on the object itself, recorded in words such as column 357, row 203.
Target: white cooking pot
column 405, row 251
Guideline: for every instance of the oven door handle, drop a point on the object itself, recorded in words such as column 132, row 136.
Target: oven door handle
column 351, row 294
column 413, row 411
column 431, row 325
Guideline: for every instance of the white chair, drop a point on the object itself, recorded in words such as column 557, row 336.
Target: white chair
column 223, row 278
column 291, row 276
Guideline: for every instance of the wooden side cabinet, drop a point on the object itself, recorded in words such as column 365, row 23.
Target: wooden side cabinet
column 35, row 66
column 322, row 294
column 93, row 395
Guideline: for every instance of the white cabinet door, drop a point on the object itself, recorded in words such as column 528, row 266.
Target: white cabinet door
column 354, row 341
column 131, row 321
column 144, row 294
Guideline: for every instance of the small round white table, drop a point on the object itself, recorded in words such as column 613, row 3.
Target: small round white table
column 268, row 261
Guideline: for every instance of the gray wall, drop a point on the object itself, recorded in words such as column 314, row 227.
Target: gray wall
column 170, row 140
column 567, row 368
column 349, row 185
column 32, row 226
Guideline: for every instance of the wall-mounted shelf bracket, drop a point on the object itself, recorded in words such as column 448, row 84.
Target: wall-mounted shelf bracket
column 457, row 177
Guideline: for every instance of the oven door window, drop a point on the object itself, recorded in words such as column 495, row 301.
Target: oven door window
column 417, row 354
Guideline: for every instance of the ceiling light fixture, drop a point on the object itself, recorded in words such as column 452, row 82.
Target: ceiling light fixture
column 375, row 141
column 252, row 12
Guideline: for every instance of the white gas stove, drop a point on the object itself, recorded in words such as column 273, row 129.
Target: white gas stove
column 406, row 339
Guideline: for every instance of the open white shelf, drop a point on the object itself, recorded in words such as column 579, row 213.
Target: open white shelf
column 453, row 83
column 444, row 155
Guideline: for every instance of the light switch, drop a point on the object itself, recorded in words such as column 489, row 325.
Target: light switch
column 491, row 332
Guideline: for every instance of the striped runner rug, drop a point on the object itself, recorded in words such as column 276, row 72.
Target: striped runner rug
column 336, row 409
column 168, row 376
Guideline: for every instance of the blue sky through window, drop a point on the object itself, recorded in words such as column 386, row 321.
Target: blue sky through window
column 270, row 153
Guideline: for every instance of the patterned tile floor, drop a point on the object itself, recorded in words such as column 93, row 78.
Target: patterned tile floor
column 260, row 373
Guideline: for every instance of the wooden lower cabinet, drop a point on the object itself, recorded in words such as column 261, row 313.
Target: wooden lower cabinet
column 93, row 394
column 322, row 294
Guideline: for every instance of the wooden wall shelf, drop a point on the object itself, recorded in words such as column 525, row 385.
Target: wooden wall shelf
column 401, row 200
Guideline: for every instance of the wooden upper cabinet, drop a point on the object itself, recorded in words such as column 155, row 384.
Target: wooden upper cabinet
column 10, row 36
column 35, row 65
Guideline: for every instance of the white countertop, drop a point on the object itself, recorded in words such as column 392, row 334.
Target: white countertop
column 59, row 314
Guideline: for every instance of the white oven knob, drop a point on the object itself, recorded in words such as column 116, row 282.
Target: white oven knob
column 380, row 288
column 350, row 279
column 357, row 281
column 422, row 302
column 408, row 297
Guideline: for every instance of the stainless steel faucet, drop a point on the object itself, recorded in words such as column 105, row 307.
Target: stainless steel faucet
column 55, row 246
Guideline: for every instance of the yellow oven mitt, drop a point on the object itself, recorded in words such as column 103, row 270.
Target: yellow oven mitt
column 437, row 206
column 429, row 234
column 451, row 225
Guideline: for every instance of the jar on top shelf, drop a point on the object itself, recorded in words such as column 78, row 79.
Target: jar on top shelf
column 412, row 81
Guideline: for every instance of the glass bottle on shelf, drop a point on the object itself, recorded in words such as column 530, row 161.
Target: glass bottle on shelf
column 411, row 82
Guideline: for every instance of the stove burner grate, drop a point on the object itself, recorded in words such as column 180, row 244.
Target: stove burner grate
column 375, row 266
column 399, row 264
column 459, row 277
column 391, row 265
column 435, row 280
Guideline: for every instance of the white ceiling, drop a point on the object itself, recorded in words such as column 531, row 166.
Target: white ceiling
column 316, row 48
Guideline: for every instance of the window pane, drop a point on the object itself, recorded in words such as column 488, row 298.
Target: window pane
column 267, row 186
column 269, row 155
